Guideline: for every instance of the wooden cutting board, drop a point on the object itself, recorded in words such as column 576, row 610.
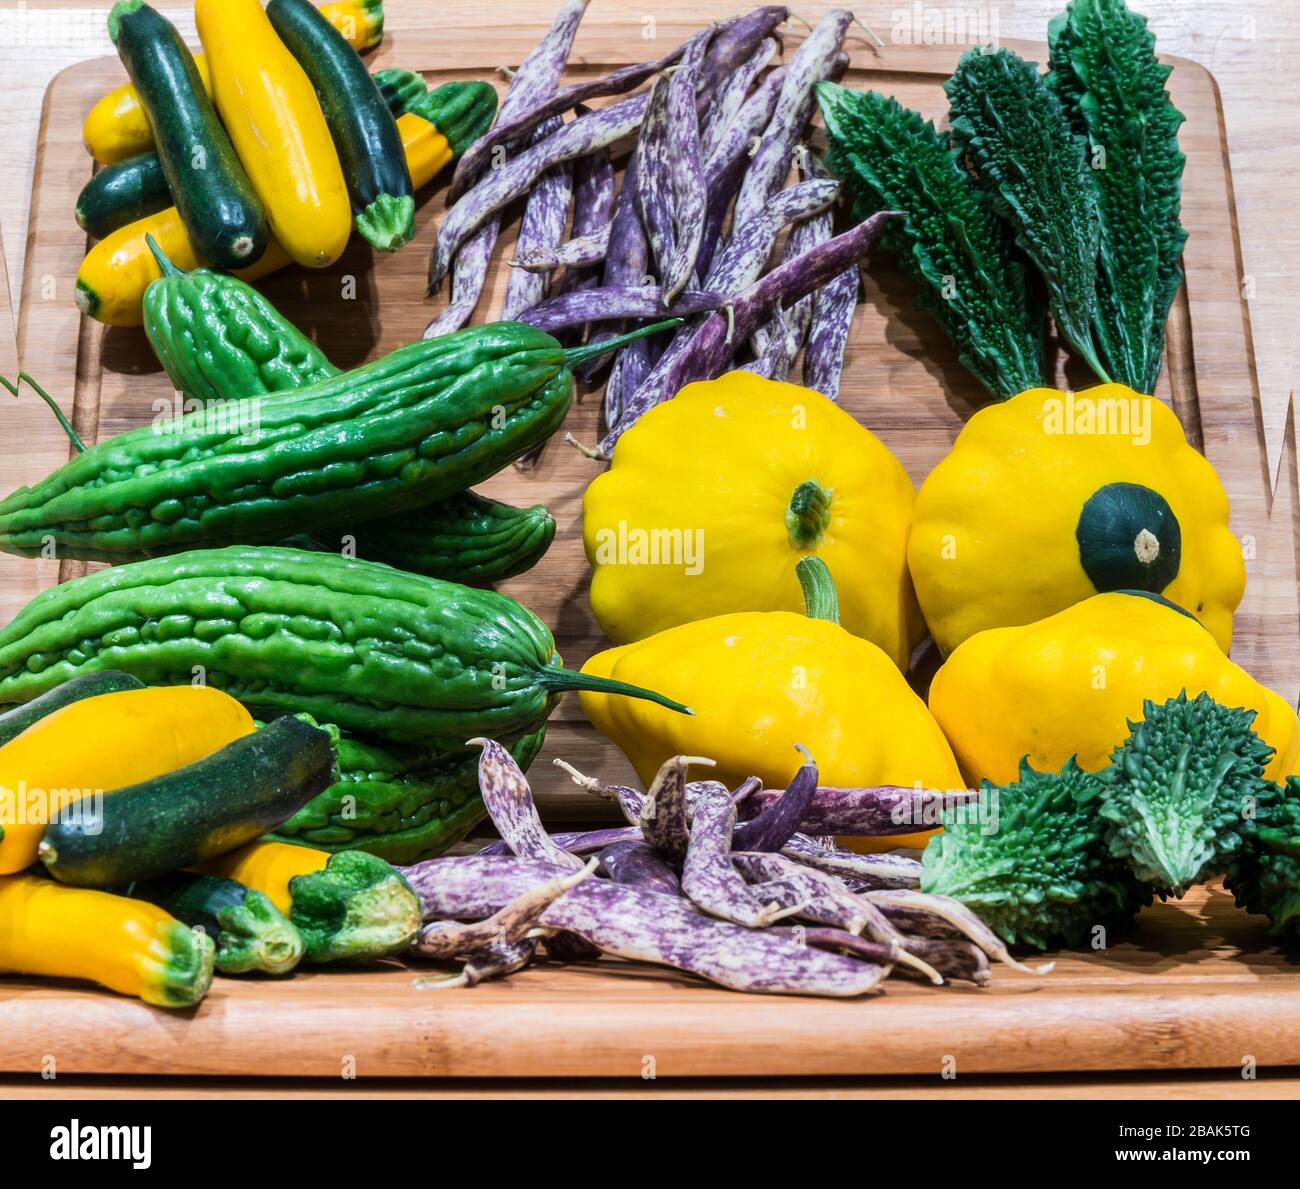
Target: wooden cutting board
column 1199, row 987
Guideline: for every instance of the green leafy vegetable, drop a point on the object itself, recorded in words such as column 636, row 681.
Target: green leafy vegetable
column 1012, row 130
column 1185, row 790
column 1044, row 871
column 1112, row 88
column 1265, row 876
column 951, row 240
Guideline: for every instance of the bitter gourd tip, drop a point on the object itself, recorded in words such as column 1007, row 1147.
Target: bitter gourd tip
column 164, row 263
column 355, row 909
column 559, row 681
column 574, row 356
column 388, row 222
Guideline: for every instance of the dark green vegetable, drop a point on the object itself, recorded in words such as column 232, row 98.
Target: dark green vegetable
column 1129, row 539
column 951, row 240
column 1265, row 876
column 1186, row 790
column 402, row 804
column 465, row 538
column 357, row 908
column 1112, row 88
column 400, row 88
column 121, row 193
column 461, row 111
column 360, row 122
column 368, row 647
column 1045, row 872
column 221, row 802
column 420, row 424
column 1012, row 130
column 219, row 339
column 222, row 214
column 251, row 934
column 89, row 685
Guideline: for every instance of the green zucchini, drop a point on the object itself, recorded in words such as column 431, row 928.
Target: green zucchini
column 360, row 122
column 402, row 804
column 400, row 88
column 373, row 649
column 219, row 803
column 89, row 685
column 251, row 934
column 122, row 193
column 1129, row 539
column 222, row 214
column 424, row 422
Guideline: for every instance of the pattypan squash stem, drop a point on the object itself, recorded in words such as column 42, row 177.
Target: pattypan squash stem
column 808, row 514
column 820, row 599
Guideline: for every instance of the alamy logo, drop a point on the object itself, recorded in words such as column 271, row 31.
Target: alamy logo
column 102, row 1142
column 624, row 546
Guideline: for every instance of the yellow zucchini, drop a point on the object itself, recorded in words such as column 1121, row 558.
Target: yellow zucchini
column 117, row 126
column 269, row 107
column 125, row 945
column 268, row 867
column 101, row 744
column 116, row 271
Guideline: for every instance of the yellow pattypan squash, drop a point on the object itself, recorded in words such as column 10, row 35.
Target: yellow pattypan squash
column 760, row 682
column 1051, row 497
column 714, row 496
column 1069, row 684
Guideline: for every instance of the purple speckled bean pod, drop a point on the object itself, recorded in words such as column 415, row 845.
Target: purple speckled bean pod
column 537, row 76
column 879, row 871
column 573, row 842
column 546, row 214
column 739, row 139
column 628, row 800
column 577, row 252
column 828, row 333
column 654, row 177
column 873, row 810
column 510, row 805
column 736, row 40
column 709, row 878
column 719, row 336
column 956, row 914
column 771, row 163
column 600, row 304
column 840, row 941
column 472, row 887
column 777, row 351
column 447, row 939
column 770, row 829
column 690, row 196
column 593, row 207
column 642, row 926
column 468, row 279
column 638, row 863
column 663, row 811
column 731, row 94
column 492, row 961
column 742, row 260
column 956, row 961
column 498, row 187
column 512, row 127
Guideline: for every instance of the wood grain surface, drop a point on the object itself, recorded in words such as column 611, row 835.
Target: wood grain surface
column 1198, row 987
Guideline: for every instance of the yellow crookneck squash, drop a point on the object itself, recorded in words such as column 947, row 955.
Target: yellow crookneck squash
column 760, row 682
column 1051, row 497
column 1069, row 685
column 713, row 496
